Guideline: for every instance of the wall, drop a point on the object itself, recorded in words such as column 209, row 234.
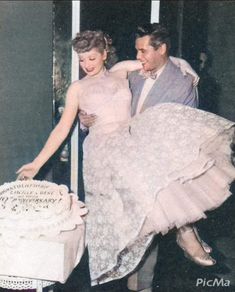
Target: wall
column 208, row 26
column 25, row 82
column 221, row 43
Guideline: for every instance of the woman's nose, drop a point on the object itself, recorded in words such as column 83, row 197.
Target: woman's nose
column 85, row 63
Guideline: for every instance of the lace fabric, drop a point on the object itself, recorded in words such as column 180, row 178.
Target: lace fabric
column 127, row 171
column 18, row 283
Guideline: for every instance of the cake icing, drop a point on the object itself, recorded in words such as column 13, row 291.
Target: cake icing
column 33, row 208
column 33, row 198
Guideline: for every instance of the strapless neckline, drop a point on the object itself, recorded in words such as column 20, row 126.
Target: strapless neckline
column 101, row 74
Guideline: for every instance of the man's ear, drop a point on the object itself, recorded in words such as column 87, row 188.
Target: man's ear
column 162, row 49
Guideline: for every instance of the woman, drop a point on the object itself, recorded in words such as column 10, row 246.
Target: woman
column 143, row 175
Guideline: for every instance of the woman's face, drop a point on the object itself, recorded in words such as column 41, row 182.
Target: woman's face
column 92, row 62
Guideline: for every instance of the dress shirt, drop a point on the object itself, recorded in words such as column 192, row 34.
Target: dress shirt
column 148, row 84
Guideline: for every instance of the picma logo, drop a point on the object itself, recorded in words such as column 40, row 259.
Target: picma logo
column 203, row 282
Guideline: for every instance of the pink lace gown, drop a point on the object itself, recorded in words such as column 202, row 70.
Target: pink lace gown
column 159, row 170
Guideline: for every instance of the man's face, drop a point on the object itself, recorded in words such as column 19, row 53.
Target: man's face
column 152, row 59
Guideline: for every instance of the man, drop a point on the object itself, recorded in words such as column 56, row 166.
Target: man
column 159, row 81
column 165, row 82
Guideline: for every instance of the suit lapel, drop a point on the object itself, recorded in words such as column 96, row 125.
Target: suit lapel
column 136, row 95
column 158, row 89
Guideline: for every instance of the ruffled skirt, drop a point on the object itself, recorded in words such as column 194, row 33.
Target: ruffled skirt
column 162, row 169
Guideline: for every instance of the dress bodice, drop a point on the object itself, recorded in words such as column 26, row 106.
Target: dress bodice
column 108, row 97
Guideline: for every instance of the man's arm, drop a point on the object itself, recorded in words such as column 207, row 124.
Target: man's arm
column 192, row 98
column 186, row 93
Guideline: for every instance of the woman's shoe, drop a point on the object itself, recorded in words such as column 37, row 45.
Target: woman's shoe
column 203, row 259
column 205, row 246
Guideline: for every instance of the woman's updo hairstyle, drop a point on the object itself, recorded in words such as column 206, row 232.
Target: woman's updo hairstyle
column 88, row 40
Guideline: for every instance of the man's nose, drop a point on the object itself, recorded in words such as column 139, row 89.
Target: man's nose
column 138, row 55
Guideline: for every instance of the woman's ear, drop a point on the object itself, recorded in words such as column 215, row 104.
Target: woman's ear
column 105, row 54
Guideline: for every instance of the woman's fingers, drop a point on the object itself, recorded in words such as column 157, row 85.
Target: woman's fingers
column 87, row 120
column 20, row 169
column 196, row 81
column 24, row 167
column 27, row 171
column 22, row 176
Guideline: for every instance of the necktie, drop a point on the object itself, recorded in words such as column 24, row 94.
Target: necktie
column 148, row 74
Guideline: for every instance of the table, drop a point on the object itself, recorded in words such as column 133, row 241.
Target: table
column 17, row 283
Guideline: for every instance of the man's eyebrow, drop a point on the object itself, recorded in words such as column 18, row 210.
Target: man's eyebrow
column 142, row 50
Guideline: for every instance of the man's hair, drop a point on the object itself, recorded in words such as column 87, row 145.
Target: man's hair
column 158, row 34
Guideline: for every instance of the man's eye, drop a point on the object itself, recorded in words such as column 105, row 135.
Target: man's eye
column 92, row 59
column 81, row 61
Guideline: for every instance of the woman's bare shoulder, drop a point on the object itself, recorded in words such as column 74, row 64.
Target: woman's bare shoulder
column 75, row 89
column 77, row 84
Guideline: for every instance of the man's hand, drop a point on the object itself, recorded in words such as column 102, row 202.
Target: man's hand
column 87, row 120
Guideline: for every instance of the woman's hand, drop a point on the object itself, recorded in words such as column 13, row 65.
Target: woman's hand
column 27, row 171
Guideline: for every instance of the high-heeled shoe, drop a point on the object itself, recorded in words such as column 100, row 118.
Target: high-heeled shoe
column 202, row 260
column 205, row 246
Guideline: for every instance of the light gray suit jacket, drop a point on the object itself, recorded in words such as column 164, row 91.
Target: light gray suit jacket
column 171, row 86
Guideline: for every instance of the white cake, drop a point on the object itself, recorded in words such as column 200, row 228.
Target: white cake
column 32, row 208
column 31, row 197
column 40, row 222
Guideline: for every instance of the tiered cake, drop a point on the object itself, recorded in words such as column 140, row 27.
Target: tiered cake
column 41, row 230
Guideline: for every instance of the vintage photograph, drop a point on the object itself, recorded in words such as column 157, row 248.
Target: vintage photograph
column 118, row 146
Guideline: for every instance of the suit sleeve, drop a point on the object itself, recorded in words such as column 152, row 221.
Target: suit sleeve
column 188, row 94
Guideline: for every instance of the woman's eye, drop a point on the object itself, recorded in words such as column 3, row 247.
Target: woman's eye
column 92, row 59
column 81, row 61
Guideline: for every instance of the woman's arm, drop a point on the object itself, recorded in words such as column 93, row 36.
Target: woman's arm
column 56, row 137
column 122, row 68
column 186, row 68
